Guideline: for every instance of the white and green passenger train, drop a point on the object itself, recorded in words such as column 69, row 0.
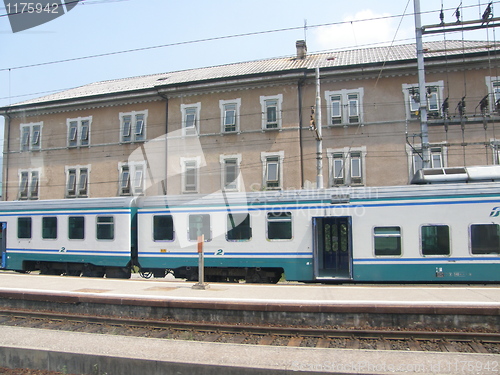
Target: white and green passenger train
column 446, row 232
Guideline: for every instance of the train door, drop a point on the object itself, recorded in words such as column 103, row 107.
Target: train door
column 332, row 247
column 3, row 244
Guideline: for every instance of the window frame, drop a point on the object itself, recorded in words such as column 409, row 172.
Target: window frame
column 437, row 237
column 194, row 108
column 415, row 161
column 31, row 136
column 72, row 229
column 472, row 235
column 386, row 236
column 271, row 158
column 412, row 107
column 339, row 107
column 78, row 131
column 77, row 181
column 235, row 184
column 237, row 229
column 223, row 104
column 268, row 102
column 191, row 165
column 47, row 229
column 275, row 217
column 345, row 158
column 105, row 227
column 206, row 227
column 154, row 227
column 29, row 184
column 24, row 231
column 131, row 178
column 129, row 123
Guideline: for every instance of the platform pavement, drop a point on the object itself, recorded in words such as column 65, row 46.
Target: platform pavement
column 86, row 353
column 317, row 294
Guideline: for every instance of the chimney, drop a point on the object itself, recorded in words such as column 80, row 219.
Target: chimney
column 301, row 48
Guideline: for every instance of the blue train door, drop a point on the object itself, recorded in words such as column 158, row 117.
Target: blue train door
column 3, row 244
column 332, row 247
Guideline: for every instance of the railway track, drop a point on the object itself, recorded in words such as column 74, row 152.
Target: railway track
column 328, row 337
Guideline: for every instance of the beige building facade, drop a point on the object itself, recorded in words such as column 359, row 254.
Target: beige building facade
column 247, row 126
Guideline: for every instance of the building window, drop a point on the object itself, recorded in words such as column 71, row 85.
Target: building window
column 163, row 228
column 49, row 227
column 387, row 241
column 272, row 168
column 344, row 106
column 433, row 98
column 190, row 174
column 230, row 115
column 77, row 182
column 131, row 181
column 438, row 158
column 435, row 239
column 79, row 131
column 230, row 171
column 105, row 228
column 347, row 166
column 485, row 239
column 493, row 85
column 279, row 226
column 76, row 227
column 238, row 227
column 191, row 118
column 31, row 136
column 29, row 182
column 199, row 224
column 271, row 111
column 133, row 126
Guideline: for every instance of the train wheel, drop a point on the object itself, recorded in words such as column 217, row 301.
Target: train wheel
column 146, row 274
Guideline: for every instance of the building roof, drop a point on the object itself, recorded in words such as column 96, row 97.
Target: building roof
column 330, row 60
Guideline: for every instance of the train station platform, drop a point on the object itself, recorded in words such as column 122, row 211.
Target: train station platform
column 286, row 294
column 408, row 306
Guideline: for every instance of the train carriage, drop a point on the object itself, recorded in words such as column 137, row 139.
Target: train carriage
column 92, row 237
column 435, row 233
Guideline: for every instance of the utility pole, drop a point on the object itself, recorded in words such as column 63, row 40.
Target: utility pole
column 319, row 137
column 422, row 91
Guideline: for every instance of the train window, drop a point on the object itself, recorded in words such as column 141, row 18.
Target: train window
column 49, row 227
column 387, row 241
column 105, row 228
column 24, row 227
column 198, row 225
column 76, row 227
column 163, row 228
column 435, row 239
column 238, row 227
column 485, row 238
column 279, row 225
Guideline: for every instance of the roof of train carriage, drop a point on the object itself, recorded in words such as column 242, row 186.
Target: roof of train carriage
column 69, row 204
column 340, row 195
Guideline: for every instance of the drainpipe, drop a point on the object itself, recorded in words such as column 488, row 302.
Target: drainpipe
column 164, row 182
column 6, row 148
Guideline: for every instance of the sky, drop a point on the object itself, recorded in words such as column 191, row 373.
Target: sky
column 198, row 33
